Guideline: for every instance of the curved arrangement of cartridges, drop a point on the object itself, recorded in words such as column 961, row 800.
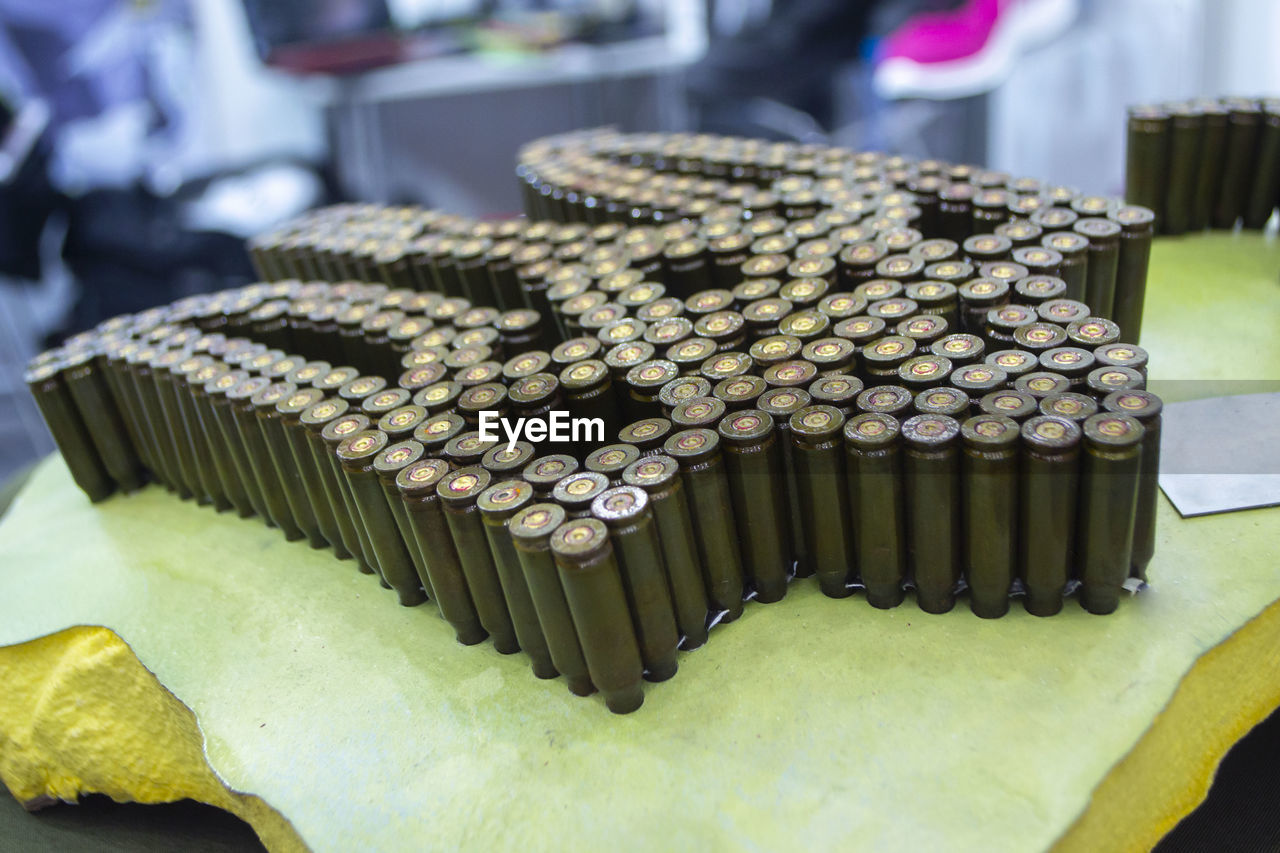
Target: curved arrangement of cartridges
column 882, row 374
column 1207, row 163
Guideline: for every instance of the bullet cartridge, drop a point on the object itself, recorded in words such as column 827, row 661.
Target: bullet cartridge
column 592, row 583
column 87, row 384
column 885, row 399
column 70, row 433
column 680, row 389
column 646, row 435
column 610, row 460
column 1072, row 362
column 625, row 510
column 1109, row 486
column 1014, row 405
column 931, row 469
column 1102, row 381
column 1131, row 270
column 1186, row 126
column 961, row 348
column 545, row 471
column 530, row 530
column 576, row 491
column 1002, row 321
column 289, row 411
column 356, row 454
column 1047, row 496
column 1244, row 124
column 466, row 449
column 1040, row 384
column 924, row 329
column 702, row 467
column 498, row 504
column 753, row 462
column 942, row 400
column 990, row 501
column 1264, row 192
column 876, row 505
column 1146, row 409
column 723, row 366
column 776, row 349
column 977, row 297
column 458, row 490
column 818, row 452
column 660, row 477
column 1147, row 157
column 1070, row 406
column 1093, row 332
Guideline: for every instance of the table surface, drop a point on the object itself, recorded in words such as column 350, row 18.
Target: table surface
column 810, row 721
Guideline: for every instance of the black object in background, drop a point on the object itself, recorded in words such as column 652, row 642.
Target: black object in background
column 1240, row 812
column 128, row 251
column 27, row 201
column 97, row 824
column 283, row 23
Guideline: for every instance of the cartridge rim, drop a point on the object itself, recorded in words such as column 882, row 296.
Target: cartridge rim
column 584, row 374
column 698, row 411
column 872, row 430
column 403, row 419
column 884, row 399
column 396, row 456
column 463, row 485
column 1121, row 354
column 628, row 355
column 1093, row 332
column 692, row 444
column 1069, row 405
column 782, row 402
column 748, row 425
column 1139, row 404
column 645, row 431
column 536, row 522
column 1110, row 430
column 439, row 428
column 930, row 430
column 990, row 431
column 611, row 457
column 1012, row 404
column 652, row 374
column 579, row 488
column 505, row 498
column 508, row 458
column 620, row 504
column 651, row 472
column 1049, row 432
column 776, row 348
column 943, row 400
column 690, row 350
column 1062, row 311
column 927, row 369
column 437, row 394
column 300, row 400
column 580, row 539
column 364, row 445
column 416, row 378
column 817, row 421
column 1107, row 378
column 550, row 469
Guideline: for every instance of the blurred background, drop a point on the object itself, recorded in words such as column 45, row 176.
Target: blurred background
column 142, row 140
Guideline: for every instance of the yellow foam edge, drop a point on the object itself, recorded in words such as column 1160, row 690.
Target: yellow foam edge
column 83, row 715
column 1229, row 690
column 80, row 714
